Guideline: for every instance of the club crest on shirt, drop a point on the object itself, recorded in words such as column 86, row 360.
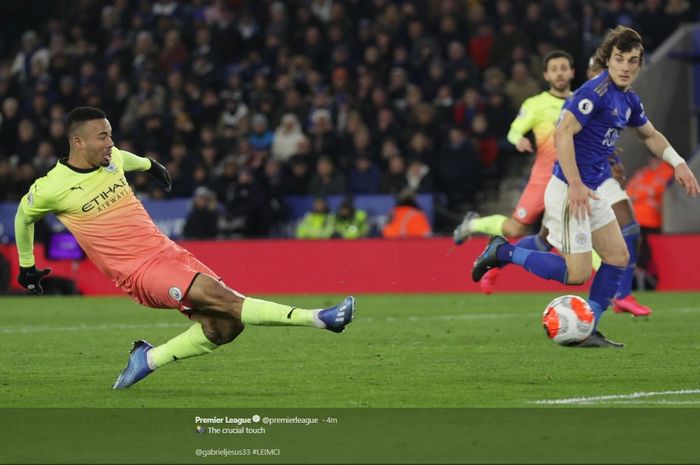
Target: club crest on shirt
column 581, row 238
column 175, row 293
column 112, row 167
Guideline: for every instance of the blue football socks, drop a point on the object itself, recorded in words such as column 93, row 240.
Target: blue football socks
column 533, row 242
column 546, row 265
column 631, row 235
column 604, row 287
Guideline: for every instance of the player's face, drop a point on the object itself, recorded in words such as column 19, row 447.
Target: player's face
column 97, row 140
column 623, row 67
column 559, row 74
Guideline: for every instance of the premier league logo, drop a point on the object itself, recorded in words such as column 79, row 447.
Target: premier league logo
column 585, row 106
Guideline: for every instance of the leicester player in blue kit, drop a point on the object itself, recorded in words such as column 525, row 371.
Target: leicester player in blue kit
column 577, row 215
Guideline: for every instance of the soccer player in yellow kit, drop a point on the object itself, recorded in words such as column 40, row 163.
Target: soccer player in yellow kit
column 89, row 194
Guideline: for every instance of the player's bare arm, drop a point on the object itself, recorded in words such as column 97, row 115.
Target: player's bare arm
column 564, row 142
column 661, row 148
column 520, row 126
column 524, row 145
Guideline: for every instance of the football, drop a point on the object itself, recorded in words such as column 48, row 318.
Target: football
column 568, row 319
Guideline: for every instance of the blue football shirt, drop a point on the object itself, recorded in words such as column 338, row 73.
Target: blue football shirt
column 603, row 110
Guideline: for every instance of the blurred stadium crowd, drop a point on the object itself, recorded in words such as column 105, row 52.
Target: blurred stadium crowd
column 249, row 101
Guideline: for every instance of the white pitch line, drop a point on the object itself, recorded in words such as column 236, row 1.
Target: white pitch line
column 614, row 397
column 655, row 402
column 47, row 328
column 685, row 309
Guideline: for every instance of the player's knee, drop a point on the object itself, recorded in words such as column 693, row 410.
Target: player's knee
column 618, row 258
column 514, row 228
column 222, row 332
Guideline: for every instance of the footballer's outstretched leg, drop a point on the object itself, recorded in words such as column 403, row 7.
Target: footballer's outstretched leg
column 220, row 314
column 210, row 296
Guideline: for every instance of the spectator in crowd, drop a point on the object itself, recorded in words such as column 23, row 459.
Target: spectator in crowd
column 318, row 223
column 288, row 138
column 350, row 222
column 681, row 11
column 481, row 45
column 273, row 179
column 394, row 180
column 31, row 55
column 418, row 177
column 407, row 219
column 365, row 177
column 508, row 37
column 148, row 99
column 44, row 159
column 421, row 147
column 57, row 137
column 248, row 211
column 261, row 137
column 488, row 153
column 27, row 141
column 324, row 141
column 459, row 170
column 326, row 181
column 235, row 113
column 9, row 124
column 6, row 177
column 521, row 85
column 360, row 146
column 202, row 221
column 299, row 176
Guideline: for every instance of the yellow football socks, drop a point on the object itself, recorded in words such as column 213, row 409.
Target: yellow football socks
column 191, row 343
column 491, row 225
column 264, row 313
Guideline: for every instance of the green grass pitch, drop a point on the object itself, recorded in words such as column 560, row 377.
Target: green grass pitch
column 446, row 350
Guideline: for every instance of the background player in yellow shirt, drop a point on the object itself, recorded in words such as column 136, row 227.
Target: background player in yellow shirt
column 90, row 195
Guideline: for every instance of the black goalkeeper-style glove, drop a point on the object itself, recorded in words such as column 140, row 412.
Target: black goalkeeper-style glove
column 160, row 174
column 30, row 278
